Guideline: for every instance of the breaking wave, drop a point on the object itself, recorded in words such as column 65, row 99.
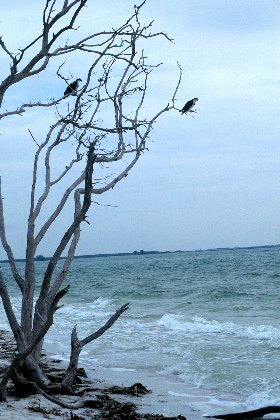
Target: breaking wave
column 197, row 325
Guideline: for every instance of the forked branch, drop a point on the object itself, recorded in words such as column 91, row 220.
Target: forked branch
column 77, row 345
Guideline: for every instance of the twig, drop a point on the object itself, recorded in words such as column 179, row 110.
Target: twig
column 33, row 137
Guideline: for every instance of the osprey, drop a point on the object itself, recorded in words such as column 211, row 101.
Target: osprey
column 188, row 106
column 72, row 88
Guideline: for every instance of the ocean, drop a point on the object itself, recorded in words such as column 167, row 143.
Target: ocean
column 203, row 327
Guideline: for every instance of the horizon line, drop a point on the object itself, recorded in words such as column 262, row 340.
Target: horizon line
column 143, row 252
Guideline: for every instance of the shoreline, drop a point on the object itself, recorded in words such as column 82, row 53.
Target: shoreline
column 160, row 401
column 41, row 258
column 157, row 404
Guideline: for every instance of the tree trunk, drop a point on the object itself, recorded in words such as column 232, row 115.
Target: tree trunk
column 70, row 373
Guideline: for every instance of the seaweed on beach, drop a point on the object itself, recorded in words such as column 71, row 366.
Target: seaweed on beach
column 100, row 404
column 136, row 389
column 35, row 407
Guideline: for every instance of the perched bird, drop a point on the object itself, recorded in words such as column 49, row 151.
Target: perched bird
column 72, row 88
column 188, row 106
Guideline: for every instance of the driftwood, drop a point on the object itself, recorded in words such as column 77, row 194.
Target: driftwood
column 77, row 345
column 252, row 414
column 110, row 408
column 83, row 396
column 115, row 85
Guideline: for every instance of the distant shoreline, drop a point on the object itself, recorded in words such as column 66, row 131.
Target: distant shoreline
column 142, row 252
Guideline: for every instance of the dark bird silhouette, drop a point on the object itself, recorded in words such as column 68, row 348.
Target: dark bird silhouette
column 72, row 88
column 188, row 106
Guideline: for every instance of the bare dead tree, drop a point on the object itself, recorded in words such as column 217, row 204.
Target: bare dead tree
column 98, row 141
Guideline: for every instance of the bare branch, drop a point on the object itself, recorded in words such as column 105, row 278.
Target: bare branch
column 2, row 44
column 22, row 108
column 33, row 138
column 178, row 85
column 6, row 245
column 67, row 169
column 106, row 326
column 77, row 345
column 117, row 179
column 106, row 120
column 71, row 252
column 63, row 12
column 59, row 208
column 34, row 212
column 76, row 223
column 42, row 56
column 17, row 331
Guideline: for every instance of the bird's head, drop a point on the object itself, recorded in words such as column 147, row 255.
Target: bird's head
column 195, row 100
column 78, row 80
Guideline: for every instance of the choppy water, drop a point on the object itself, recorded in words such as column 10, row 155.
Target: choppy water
column 206, row 323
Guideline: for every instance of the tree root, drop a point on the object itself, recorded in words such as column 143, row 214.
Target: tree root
column 94, row 402
column 90, row 403
column 111, row 409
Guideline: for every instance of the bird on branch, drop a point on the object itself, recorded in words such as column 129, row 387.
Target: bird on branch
column 188, row 106
column 72, row 88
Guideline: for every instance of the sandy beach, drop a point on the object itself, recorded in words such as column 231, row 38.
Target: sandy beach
column 197, row 357
column 158, row 402
column 38, row 407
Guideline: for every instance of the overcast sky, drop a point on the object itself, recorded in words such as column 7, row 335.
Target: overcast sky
column 212, row 180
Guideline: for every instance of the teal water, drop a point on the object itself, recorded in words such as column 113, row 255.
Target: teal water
column 206, row 322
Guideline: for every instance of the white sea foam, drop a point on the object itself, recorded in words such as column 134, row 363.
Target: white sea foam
column 174, row 323
column 177, row 394
column 101, row 302
column 223, row 366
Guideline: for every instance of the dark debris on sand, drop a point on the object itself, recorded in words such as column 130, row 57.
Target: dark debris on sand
column 122, row 411
column 108, row 407
column 136, row 390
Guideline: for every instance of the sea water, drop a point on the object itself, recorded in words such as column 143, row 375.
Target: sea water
column 204, row 325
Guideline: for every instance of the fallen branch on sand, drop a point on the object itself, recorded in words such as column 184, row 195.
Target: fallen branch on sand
column 252, row 414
